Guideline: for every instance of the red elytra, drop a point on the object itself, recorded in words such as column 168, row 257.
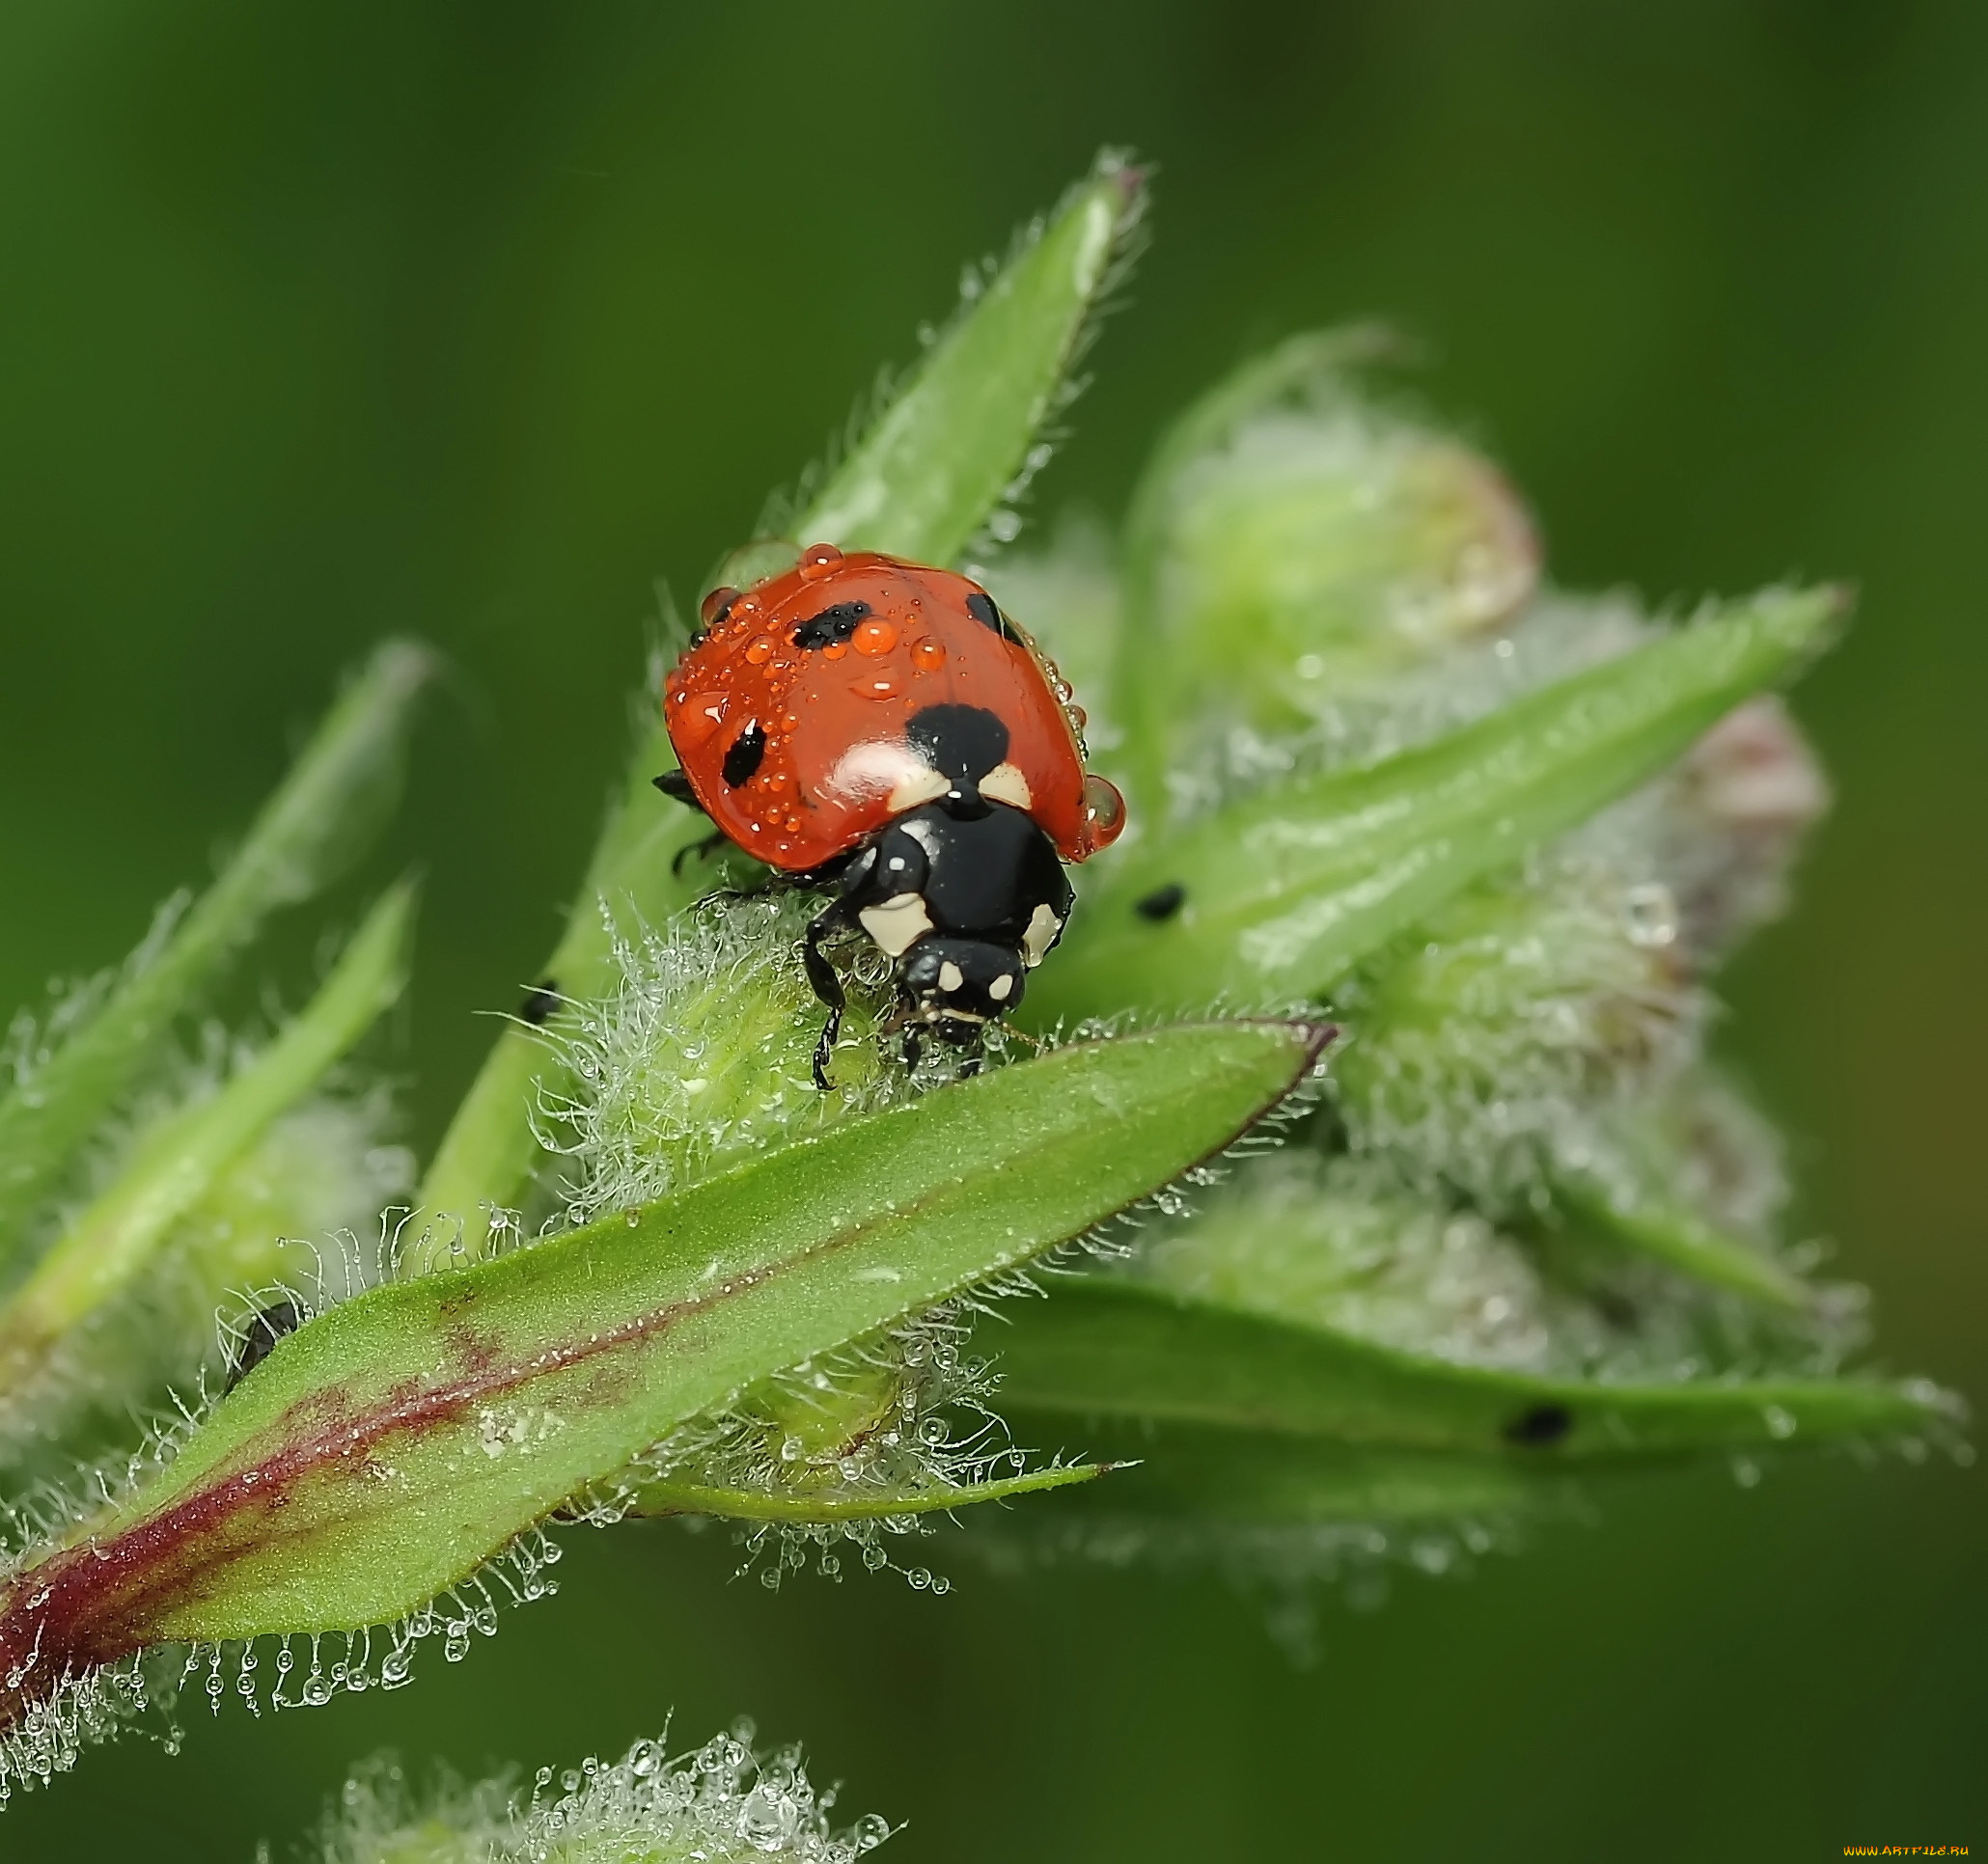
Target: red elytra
column 790, row 715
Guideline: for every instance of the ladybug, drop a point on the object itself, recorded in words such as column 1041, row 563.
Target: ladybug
column 882, row 727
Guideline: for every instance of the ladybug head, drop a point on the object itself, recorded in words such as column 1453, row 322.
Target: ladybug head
column 957, row 985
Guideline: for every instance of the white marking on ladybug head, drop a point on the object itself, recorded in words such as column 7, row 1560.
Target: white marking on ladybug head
column 1002, row 988
column 896, row 924
column 1043, row 926
column 951, row 976
column 911, row 792
column 1005, row 783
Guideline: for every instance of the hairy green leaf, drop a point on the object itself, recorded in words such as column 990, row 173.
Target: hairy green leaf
column 387, row 1449
column 1286, row 891
column 1672, row 1234
column 1108, row 1348
column 321, row 816
column 175, row 1164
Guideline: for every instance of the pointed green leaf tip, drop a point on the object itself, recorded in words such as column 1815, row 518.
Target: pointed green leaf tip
column 391, row 1447
column 959, row 440
column 325, row 811
column 1287, row 890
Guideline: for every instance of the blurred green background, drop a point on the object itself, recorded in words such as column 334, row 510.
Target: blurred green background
column 471, row 318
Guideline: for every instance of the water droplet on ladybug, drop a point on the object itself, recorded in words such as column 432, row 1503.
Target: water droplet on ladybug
column 927, row 654
column 761, row 648
column 873, row 637
column 712, row 610
column 879, row 686
column 1077, row 716
column 702, row 715
column 819, row 560
column 1104, row 809
column 836, row 650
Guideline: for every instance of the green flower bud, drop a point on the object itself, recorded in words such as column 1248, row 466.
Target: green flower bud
column 1733, row 816
column 1510, row 1017
column 705, row 1053
column 1298, row 544
column 1342, row 1244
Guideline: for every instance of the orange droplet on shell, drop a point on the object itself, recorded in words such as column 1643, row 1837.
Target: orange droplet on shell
column 927, row 654
column 819, row 560
column 761, row 648
column 697, row 716
column 1104, row 813
column 873, row 637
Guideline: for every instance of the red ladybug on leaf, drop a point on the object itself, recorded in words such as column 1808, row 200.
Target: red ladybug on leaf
column 883, row 727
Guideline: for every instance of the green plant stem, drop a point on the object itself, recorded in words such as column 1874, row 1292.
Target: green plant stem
column 488, row 1155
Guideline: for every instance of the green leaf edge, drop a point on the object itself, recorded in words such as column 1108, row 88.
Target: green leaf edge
column 1115, row 1347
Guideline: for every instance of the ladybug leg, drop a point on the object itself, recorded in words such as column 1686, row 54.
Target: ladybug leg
column 974, row 1061
column 828, row 986
column 700, row 850
column 676, row 786
column 913, row 1044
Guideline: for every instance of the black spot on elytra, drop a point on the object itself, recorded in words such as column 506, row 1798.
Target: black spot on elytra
column 831, row 625
column 963, row 741
column 747, row 754
column 983, row 610
column 260, row 1336
column 1162, row 903
column 540, row 1001
column 1540, row 1427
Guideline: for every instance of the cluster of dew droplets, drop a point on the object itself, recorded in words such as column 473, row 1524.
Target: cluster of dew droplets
column 723, row 1801
column 307, row 1670
column 51, row 1732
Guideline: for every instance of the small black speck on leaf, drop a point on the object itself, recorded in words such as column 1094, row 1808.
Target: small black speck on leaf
column 1162, row 903
column 540, row 1001
column 1540, row 1427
